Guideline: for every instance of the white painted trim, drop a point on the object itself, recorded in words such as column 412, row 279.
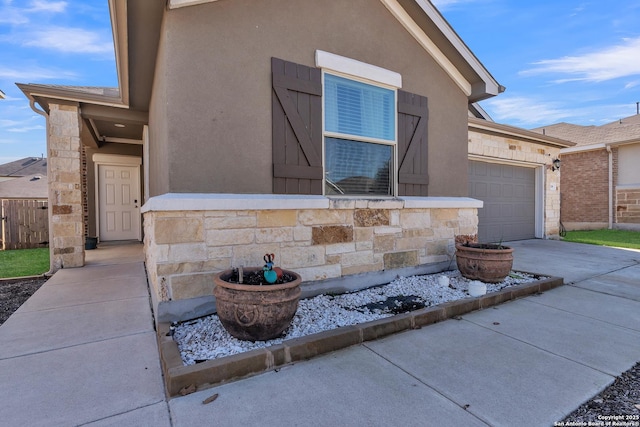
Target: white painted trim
column 441, row 203
column 481, row 158
column 145, row 162
column 427, row 44
column 357, row 68
column 540, row 207
column 238, row 202
column 590, row 147
column 116, row 159
column 175, row 4
column 492, row 86
column 123, row 140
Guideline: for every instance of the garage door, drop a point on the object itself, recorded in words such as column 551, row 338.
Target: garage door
column 508, row 193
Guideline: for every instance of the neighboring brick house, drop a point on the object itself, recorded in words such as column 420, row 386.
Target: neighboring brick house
column 600, row 178
column 297, row 128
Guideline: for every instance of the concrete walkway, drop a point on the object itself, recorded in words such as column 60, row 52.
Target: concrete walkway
column 82, row 351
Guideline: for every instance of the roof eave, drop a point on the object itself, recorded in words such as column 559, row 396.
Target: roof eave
column 485, row 85
column 485, row 126
column 35, row 91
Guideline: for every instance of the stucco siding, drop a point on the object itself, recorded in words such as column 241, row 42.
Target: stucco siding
column 628, row 161
column 159, row 126
column 211, row 109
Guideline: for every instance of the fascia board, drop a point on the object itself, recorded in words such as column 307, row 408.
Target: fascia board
column 582, row 148
column 492, row 87
column 175, row 4
column 33, row 91
column 427, row 44
column 480, row 125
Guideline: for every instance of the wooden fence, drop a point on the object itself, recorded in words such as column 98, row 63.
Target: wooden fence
column 25, row 224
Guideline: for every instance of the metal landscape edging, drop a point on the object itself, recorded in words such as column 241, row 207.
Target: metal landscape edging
column 213, row 372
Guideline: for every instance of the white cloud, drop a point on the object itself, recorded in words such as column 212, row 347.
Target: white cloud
column 442, row 5
column 531, row 112
column 70, row 40
column 12, row 16
column 47, row 6
column 610, row 63
column 4, row 122
column 523, row 111
column 33, row 73
column 25, row 129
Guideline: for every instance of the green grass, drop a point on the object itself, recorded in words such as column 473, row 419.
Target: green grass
column 604, row 237
column 24, row 262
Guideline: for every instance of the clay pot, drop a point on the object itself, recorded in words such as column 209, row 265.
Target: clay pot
column 256, row 313
column 487, row 263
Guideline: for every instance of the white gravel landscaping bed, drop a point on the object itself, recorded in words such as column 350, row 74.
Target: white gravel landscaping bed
column 205, row 338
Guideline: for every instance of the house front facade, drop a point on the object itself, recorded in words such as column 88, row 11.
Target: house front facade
column 330, row 134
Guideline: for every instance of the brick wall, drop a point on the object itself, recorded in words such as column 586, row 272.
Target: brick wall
column 585, row 187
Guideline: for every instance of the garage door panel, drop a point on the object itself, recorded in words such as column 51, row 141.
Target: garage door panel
column 507, row 191
column 481, row 189
column 509, row 203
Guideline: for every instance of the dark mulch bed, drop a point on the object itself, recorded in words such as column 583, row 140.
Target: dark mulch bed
column 13, row 293
column 620, row 402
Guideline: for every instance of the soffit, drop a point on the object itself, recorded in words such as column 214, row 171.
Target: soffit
column 100, row 108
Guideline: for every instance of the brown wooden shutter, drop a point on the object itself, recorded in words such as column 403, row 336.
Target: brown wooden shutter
column 296, row 128
column 413, row 114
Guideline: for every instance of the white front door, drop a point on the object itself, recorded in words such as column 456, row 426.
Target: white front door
column 119, row 202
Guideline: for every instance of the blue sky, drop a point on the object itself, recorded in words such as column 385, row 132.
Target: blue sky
column 570, row 60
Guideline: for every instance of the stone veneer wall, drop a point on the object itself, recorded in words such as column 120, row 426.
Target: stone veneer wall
column 65, row 187
column 628, row 205
column 489, row 147
column 319, row 238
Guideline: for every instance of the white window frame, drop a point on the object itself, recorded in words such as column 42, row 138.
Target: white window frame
column 364, row 73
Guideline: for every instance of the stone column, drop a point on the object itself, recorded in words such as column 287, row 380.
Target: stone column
column 65, row 187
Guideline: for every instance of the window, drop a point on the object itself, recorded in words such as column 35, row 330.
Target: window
column 360, row 137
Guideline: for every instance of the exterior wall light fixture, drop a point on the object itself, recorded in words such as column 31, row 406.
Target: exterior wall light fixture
column 555, row 165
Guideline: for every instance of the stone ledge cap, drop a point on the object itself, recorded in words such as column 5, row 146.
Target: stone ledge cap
column 232, row 202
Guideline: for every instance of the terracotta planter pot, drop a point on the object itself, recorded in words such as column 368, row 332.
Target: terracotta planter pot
column 256, row 313
column 484, row 262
